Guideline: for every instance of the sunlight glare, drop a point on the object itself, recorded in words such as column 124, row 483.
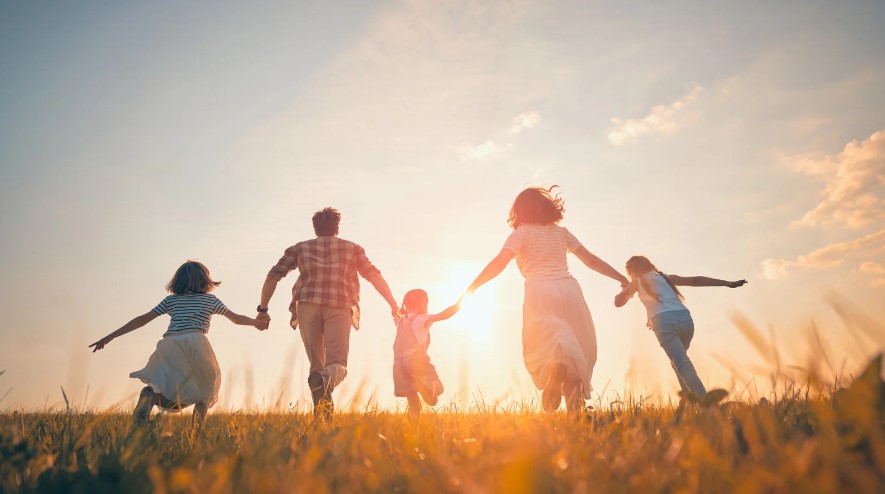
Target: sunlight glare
column 477, row 310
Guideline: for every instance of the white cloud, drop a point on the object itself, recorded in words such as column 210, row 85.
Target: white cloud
column 830, row 256
column 419, row 81
column 661, row 120
column 877, row 270
column 854, row 195
column 481, row 151
column 872, row 268
column 524, row 121
column 502, row 142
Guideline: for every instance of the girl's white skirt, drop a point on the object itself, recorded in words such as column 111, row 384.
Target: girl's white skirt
column 184, row 369
column 557, row 328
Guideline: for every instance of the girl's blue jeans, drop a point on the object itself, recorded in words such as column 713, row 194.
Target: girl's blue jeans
column 674, row 330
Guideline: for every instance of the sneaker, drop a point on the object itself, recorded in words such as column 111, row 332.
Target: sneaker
column 321, row 393
column 143, row 407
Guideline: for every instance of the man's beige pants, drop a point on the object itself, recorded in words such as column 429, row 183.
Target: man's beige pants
column 325, row 331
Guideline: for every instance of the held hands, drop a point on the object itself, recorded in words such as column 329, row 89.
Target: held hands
column 100, row 344
column 262, row 321
column 736, row 284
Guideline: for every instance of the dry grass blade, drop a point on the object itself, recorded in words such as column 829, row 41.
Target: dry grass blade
column 854, row 317
column 754, row 336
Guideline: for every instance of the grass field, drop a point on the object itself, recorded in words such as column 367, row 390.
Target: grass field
column 795, row 442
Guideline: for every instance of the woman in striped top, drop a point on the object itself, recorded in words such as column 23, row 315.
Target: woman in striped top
column 183, row 370
column 558, row 336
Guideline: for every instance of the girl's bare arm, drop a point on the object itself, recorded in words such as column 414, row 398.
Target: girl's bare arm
column 600, row 266
column 442, row 316
column 627, row 293
column 126, row 328
column 243, row 320
column 703, row 281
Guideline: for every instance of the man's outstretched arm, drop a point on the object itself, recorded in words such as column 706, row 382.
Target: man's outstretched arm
column 383, row 289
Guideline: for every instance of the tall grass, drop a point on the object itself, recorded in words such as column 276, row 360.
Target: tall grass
column 809, row 435
column 794, row 443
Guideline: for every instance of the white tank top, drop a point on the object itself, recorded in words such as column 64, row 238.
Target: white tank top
column 669, row 301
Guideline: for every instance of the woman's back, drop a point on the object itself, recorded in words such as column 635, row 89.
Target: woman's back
column 541, row 251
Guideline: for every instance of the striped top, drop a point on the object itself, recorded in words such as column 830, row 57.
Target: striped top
column 189, row 311
column 541, row 251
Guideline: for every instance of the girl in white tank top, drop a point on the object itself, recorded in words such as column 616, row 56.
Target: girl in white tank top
column 670, row 320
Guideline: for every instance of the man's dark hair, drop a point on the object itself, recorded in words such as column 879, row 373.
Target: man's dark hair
column 325, row 222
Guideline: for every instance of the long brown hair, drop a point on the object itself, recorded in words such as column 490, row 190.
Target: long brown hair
column 191, row 277
column 639, row 265
column 537, row 206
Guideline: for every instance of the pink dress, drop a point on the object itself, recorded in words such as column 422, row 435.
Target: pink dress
column 556, row 322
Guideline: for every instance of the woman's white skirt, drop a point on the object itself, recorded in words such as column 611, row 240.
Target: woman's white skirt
column 184, row 369
column 557, row 328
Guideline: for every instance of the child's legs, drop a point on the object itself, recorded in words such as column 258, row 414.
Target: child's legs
column 674, row 332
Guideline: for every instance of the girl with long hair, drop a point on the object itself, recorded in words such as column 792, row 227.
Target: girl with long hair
column 668, row 316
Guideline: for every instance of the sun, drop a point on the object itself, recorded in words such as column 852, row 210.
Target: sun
column 477, row 310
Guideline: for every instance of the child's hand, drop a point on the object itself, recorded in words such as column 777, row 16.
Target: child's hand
column 261, row 324
column 736, row 284
column 100, row 344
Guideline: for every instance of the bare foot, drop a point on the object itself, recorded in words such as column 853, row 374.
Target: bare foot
column 551, row 397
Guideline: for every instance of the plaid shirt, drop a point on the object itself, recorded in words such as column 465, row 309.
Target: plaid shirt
column 327, row 271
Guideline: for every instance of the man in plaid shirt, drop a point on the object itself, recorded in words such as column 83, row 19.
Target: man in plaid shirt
column 325, row 300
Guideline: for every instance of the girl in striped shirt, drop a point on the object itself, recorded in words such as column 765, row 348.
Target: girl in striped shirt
column 183, row 370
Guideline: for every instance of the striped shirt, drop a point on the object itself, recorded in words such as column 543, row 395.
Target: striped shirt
column 327, row 271
column 189, row 311
column 541, row 251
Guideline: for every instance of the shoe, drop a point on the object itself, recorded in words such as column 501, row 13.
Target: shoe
column 713, row 397
column 143, row 407
column 551, row 397
column 321, row 393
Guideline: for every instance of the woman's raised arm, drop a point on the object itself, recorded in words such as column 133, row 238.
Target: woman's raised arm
column 493, row 269
column 600, row 266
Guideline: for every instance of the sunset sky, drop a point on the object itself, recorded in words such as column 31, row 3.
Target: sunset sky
column 742, row 141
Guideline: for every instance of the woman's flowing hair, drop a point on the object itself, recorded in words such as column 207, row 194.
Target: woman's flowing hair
column 639, row 265
column 537, row 206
